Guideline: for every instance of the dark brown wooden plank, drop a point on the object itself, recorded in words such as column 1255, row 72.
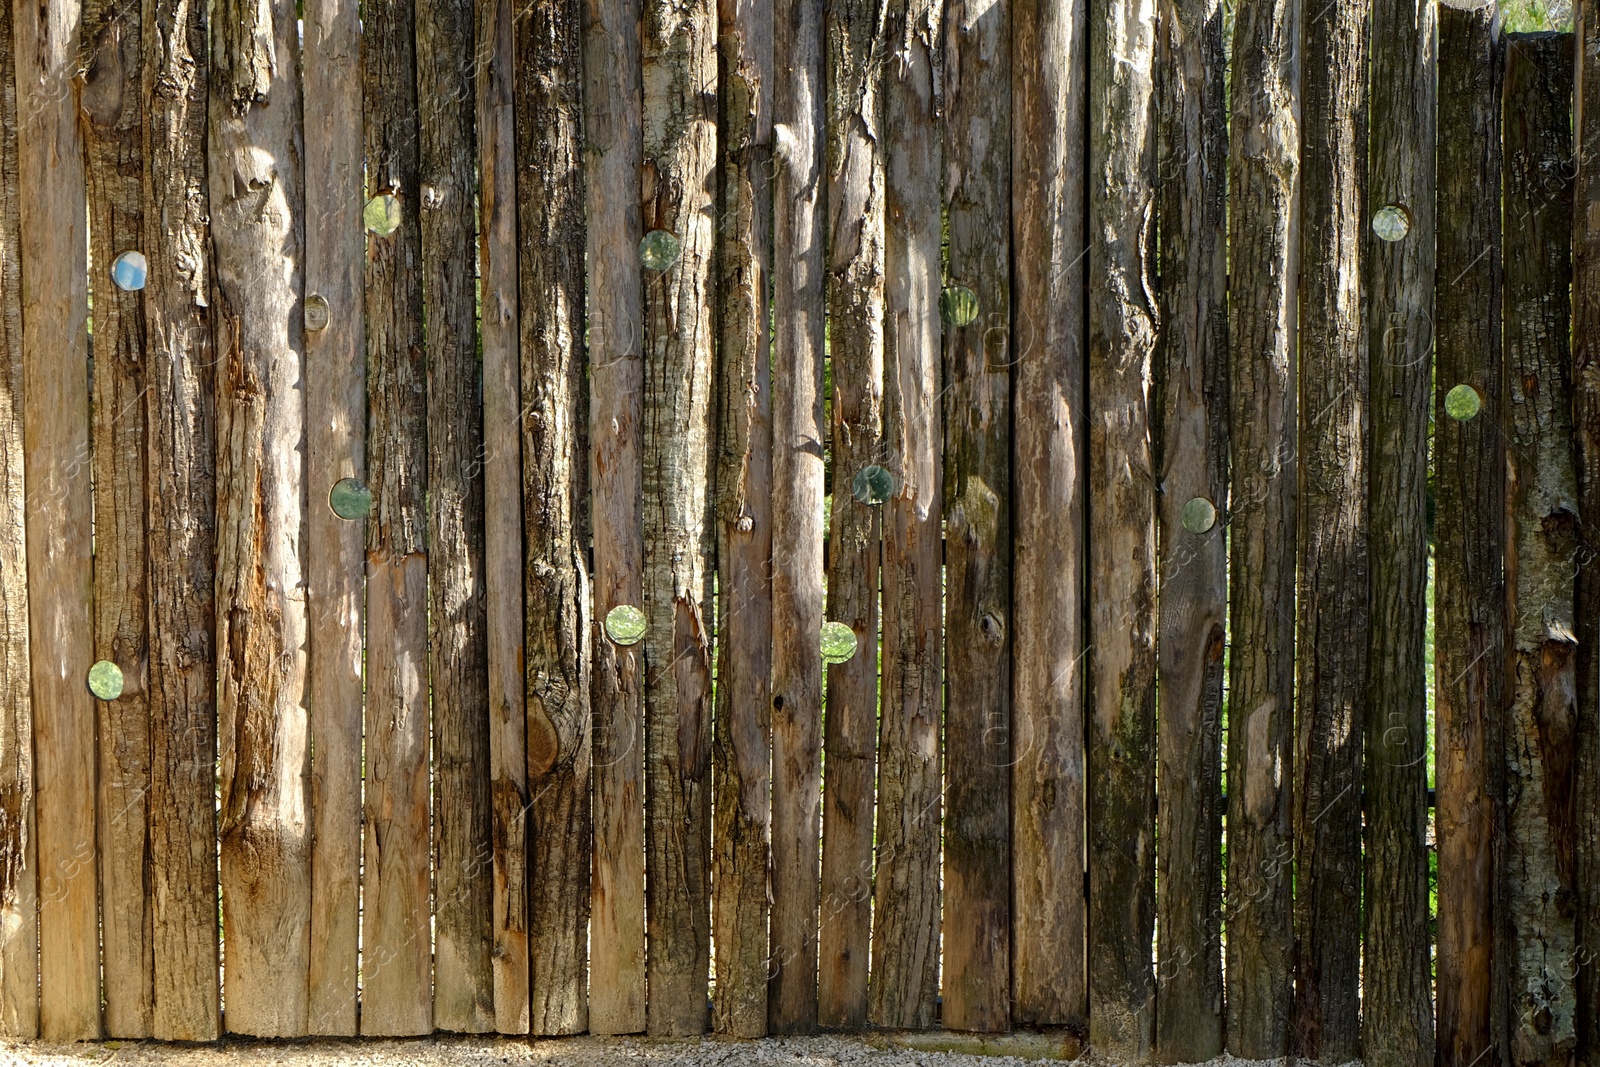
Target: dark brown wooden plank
column 855, row 343
column 257, row 213
column 904, row 980
column 978, row 621
column 1191, row 446
column 741, row 745
column 550, row 194
column 1541, row 546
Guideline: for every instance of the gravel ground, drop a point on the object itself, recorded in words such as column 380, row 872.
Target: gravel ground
column 570, row 1052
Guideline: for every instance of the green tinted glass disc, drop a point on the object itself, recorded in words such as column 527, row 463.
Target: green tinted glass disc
column 350, row 499
column 625, row 624
column 838, row 642
column 105, row 680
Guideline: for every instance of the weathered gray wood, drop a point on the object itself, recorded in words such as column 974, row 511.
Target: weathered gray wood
column 113, row 126
column 336, row 425
column 740, row 753
column 978, row 622
column 1263, row 169
column 905, row 931
column 854, row 296
column 1469, row 547
column 679, row 197
column 19, row 878
column 502, row 495
column 463, row 982
column 396, row 997
column 1191, row 449
column 1541, row 548
column 612, row 119
column 1331, row 637
column 257, row 233
column 1121, row 745
column 550, row 194
column 1049, row 152
column 797, row 478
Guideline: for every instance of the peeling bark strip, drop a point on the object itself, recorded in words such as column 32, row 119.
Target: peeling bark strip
column 336, row 403
column 679, row 198
column 1191, row 372
column 550, row 202
column 1263, row 175
column 502, row 495
column 905, row 930
column 612, row 120
column 1469, row 607
column 395, row 943
column 463, row 985
column 1541, row 549
column 19, row 903
column 977, row 358
column 1332, row 631
column 1049, row 154
column 855, row 61
column 797, row 474
column 113, row 128
column 257, row 234
column 741, row 777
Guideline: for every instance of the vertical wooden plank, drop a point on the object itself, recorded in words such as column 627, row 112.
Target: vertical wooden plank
column 50, row 188
column 336, row 424
column 1396, row 979
column 855, row 342
column 19, row 877
column 613, row 119
column 1332, row 629
column 180, row 407
column 554, row 444
column 1541, row 546
column 463, row 987
column 395, row 944
column 502, row 495
column 797, row 477
column 1049, row 152
column 1469, row 547
column 977, row 356
column 113, row 127
column 904, row 978
column 679, row 198
column 257, row 232
column 741, row 745
column 1263, row 178
column 1191, row 449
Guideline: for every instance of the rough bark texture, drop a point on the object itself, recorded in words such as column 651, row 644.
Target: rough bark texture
column 19, row 878
column 395, row 945
column 502, row 495
column 257, row 232
column 1397, row 1024
column 1263, row 175
column 797, row 515
column 336, row 401
column 1541, row 549
column 741, row 776
column 616, row 426
column 1121, row 740
column 855, row 61
column 1191, row 370
column 977, row 367
column 113, row 127
column 1469, row 546
column 463, row 981
column 1331, row 638
column 905, row 932
column 554, row 446
column 679, row 197
column 1049, row 154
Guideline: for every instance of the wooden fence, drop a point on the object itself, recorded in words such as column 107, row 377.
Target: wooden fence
column 532, row 506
